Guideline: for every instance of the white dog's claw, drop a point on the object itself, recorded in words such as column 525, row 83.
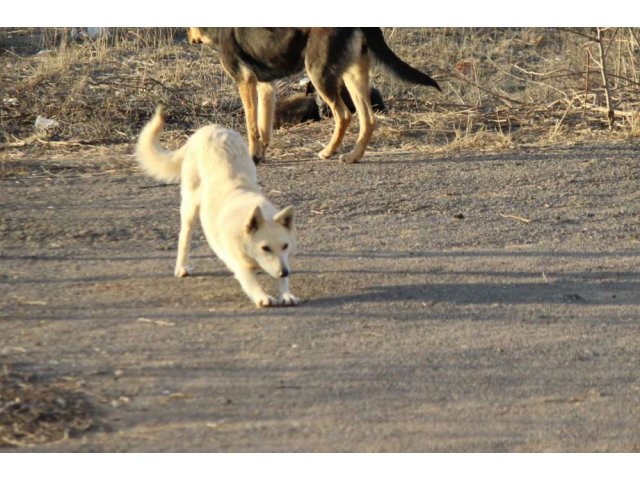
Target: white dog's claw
column 290, row 300
column 266, row 301
column 182, row 272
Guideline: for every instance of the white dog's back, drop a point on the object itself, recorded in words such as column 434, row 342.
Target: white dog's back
column 213, row 153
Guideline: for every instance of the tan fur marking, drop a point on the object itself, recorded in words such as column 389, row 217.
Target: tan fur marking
column 197, row 35
column 266, row 111
column 342, row 117
column 249, row 95
column 356, row 79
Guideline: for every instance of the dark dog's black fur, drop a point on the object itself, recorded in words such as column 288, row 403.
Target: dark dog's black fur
column 333, row 57
column 309, row 106
column 296, row 108
column 376, row 100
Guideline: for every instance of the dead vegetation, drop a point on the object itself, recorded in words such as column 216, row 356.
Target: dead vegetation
column 34, row 411
column 504, row 88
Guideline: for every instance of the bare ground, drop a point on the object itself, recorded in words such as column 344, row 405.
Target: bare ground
column 468, row 302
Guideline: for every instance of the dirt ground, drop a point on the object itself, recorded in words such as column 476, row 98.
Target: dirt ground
column 452, row 302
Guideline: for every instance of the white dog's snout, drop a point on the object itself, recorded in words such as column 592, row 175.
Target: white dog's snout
column 284, row 272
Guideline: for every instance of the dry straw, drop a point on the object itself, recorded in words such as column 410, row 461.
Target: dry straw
column 503, row 88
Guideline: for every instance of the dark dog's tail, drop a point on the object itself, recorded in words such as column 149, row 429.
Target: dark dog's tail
column 385, row 55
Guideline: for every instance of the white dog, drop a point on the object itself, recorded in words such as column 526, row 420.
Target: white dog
column 218, row 180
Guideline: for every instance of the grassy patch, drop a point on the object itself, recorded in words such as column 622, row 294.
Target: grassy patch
column 503, row 88
column 34, row 411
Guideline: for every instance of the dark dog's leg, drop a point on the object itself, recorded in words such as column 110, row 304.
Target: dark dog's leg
column 266, row 109
column 328, row 88
column 325, row 65
column 356, row 79
column 249, row 95
column 342, row 117
column 377, row 103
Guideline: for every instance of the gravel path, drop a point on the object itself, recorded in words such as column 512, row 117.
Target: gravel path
column 472, row 302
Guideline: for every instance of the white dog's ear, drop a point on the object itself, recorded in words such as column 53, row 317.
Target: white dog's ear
column 255, row 221
column 285, row 217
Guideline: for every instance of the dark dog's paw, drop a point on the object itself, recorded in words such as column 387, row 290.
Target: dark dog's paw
column 350, row 158
column 325, row 154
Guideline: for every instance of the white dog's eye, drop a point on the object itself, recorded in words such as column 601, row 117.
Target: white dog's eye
column 266, row 248
column 285, row 246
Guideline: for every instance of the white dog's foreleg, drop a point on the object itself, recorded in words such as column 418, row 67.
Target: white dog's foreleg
column 253, row 289
column 188, row 215
column 286, row 297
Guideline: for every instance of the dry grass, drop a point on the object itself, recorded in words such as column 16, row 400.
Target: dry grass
column 33, row 411
column 504, row 88
column 517, row 87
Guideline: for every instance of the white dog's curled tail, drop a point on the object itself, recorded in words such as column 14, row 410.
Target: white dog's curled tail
column 161, row 164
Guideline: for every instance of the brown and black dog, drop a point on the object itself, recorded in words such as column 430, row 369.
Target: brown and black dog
column 332, row 57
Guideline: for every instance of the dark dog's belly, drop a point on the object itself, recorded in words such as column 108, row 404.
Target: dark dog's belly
column 271, row 53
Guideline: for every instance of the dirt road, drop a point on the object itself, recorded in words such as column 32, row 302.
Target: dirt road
column 472, row 302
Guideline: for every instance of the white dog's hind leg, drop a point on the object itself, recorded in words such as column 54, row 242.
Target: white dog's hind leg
column 286, row 297
column 253, row 289
column 188, row 214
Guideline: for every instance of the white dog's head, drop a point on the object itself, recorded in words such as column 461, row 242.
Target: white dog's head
column 269, row 241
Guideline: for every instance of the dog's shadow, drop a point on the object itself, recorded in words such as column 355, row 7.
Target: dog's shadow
column 484, row 286
column 566, row 292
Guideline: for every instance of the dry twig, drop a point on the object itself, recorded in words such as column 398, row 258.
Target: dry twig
column 516, row 217
column 605, row 79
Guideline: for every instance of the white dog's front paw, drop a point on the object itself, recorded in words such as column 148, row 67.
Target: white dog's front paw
column 266, row 301
column 289, row 299
column 182, row 272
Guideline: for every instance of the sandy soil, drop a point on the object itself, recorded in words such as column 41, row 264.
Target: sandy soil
column 472, row 302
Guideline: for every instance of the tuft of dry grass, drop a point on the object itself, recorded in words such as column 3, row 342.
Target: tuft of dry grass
column 632, row 129
column 33, row 411
column 503, row 88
